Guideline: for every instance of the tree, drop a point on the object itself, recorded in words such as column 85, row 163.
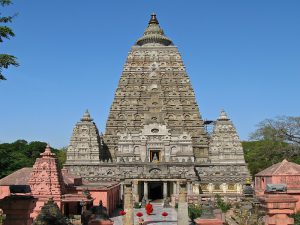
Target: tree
column 259, row 155
column 221, row 204
column 275, row 140
column 283, row 129
column 194, row 211
column 19, row 154
column 61, row 156
column 6, row 32
column 50, row 215
column 296, row 218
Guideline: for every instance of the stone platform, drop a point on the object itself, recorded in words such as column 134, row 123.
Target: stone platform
column 155, row 218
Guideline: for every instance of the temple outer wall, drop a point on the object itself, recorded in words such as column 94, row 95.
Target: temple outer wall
column 109, row 197
column 4, row 192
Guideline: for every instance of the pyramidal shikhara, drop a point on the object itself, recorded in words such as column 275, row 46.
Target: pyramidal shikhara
column 155, row 135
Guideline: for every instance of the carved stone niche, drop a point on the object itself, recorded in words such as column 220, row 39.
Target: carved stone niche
column 155, row 172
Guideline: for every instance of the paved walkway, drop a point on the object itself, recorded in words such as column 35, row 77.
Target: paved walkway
column 155, row 218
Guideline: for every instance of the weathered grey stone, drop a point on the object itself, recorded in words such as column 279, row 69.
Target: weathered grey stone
column 155, row 132
column 128, row 204
column 85, row 142
column 225, row 145
column 182, row 216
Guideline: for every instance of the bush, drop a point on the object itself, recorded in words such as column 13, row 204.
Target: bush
column 296, row 218
column 195, row 211
column 137, row 205
column 222, row 205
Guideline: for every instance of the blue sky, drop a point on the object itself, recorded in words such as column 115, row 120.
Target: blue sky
column 242, row 56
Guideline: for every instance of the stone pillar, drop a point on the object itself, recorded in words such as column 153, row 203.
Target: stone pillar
column 144, row 156
column 196, row 189
column 189, row 185
column 121, row 191
column 182, row 216
column 146, row 190
column 177, row 187
column 135, row 191
column 128, row 204
column 278, row 207
column 224, row 187
column 165, row 189
column 174, row 188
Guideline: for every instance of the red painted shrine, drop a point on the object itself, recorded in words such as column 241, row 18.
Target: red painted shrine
column 24, row 192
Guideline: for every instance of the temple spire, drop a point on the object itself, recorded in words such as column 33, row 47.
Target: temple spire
column 225, row 145
column 85, row 139
column 153, row 34
column 223, row 115
column 47, row 152
column 86, row 116
column 153, row 19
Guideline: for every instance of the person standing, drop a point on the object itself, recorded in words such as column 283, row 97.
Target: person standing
column 149, row 208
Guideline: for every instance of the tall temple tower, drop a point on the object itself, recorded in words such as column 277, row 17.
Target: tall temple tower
column 155, row 135
column 154, row 110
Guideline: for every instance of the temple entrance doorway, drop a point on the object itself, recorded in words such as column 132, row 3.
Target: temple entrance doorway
column 155, row 190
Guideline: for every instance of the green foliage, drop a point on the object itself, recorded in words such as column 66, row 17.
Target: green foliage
column 195, row 211
column 222, row 205
column 296, row 218
column 50, row 215
column 19, row 154
column 137, row 205
column 261, row 154
column 5, row 2
column 61, row 156
column 281, row 129
column 275, row 140
column 6, row 32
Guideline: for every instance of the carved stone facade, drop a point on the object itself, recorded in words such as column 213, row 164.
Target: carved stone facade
column 225, row 145
column 155, row 92
column 85, row 142
column 155, row 133
column 46, row 180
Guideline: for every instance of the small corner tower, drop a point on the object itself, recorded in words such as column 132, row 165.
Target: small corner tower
column 85, row 142
column 225, row 145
